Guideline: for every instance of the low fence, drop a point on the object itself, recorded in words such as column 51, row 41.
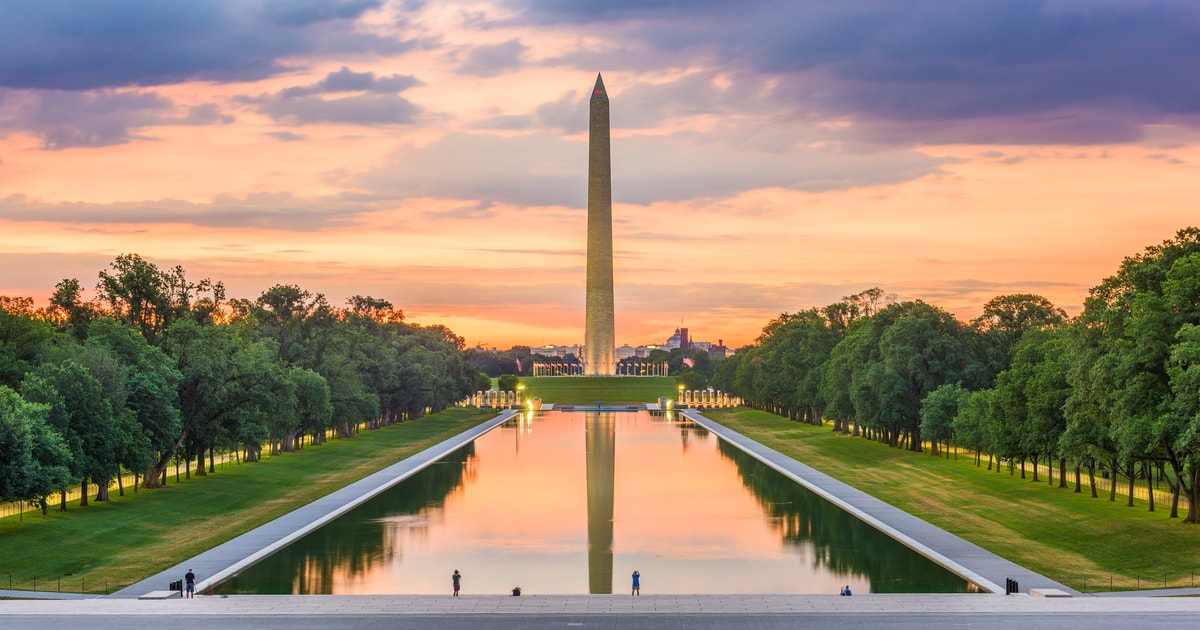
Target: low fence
column 1109, row 583
column 127, row 478
column 67, row 584
column 1162, row 498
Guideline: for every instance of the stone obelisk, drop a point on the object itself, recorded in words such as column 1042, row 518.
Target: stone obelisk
column 599, row 335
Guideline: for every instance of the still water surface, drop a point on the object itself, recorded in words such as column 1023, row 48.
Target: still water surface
column 574, row 502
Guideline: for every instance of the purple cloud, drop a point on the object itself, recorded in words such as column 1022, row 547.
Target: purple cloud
column 1029, row 70
column 84, row 45
column 491, row 60
column 347, row 80
column 86, row 119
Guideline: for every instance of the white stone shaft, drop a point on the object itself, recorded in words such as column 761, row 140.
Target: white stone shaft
column 599, row 328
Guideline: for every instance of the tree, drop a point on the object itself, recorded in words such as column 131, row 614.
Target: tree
column 1046, row 392
column 81, row 414
column 1121, row 398
column 22, row 336
column 1006, row 318
column 151, row 392
column 691, row 380
column 889, row 362
column 508, row 383
column 970, row 424
column 792, row 351
column 141, row 295
column 938, row 410
column 33, row 459
column 226, row 379
column 69, row 311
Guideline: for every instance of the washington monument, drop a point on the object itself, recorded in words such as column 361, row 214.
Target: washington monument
column 599, row 338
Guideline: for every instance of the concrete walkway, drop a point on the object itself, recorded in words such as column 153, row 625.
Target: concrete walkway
column 982, row 567
column 305, row 605
column 222, row 561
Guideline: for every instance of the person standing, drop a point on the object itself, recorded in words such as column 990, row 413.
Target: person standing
column 456, row 580
column 637, row 583
column 189, row 580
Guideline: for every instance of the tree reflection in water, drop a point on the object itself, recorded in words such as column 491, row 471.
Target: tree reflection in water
column 364, row 539
column 838, row 541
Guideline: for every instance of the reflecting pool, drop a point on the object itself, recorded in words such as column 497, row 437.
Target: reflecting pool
column 574, row 502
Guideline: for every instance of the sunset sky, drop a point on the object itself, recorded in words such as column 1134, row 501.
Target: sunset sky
column 768, row 155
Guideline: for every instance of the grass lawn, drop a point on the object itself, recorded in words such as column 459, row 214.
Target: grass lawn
column 132, row 537
column 1065, row 536
column 581, row 390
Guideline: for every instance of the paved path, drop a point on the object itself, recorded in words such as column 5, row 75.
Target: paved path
column 222, row 561
column 972, row 562
column 305, row 605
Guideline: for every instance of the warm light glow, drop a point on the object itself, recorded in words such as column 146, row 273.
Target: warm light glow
column 436, row 156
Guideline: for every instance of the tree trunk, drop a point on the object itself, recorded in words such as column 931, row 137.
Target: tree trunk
column 1174, row 501
column 1092, row 477
column 1194, row 497
column 159, row 468
column 211, row 460
column 102, row 490
column 120, row 484
column 83, row 492
column 1035, row 469
column 1062, row 472
column 1078, row 489
column 1149, row 485
column 1112, row 486
column 62, row 499
column 1129, row 472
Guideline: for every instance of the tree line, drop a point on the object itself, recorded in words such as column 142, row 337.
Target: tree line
column 157, row 368
column 693, row 369
column 1115, row 389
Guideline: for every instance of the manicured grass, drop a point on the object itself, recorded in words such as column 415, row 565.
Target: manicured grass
column 582, row 390
column 1065, row 536
column 132, row 537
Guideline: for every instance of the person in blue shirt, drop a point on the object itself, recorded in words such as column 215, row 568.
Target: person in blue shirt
column 637, row 583
column 846, row 591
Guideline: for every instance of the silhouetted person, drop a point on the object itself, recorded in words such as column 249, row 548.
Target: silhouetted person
column 189, row 580
column 456, row 579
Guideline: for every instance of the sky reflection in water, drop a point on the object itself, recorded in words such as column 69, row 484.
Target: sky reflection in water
column 570, row 503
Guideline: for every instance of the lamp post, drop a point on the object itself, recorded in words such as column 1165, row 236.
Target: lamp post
column 681, row 394
column 520, row 393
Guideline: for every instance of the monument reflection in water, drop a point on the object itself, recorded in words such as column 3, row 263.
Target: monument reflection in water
column 574, row 502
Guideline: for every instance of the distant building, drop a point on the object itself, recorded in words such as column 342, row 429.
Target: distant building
column 719, row 351
column 555, row 351
column 679, row 340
